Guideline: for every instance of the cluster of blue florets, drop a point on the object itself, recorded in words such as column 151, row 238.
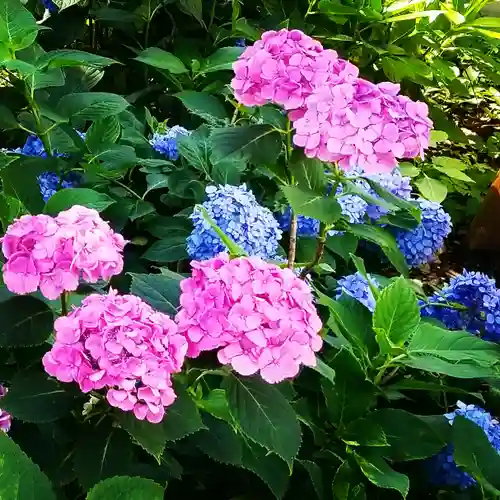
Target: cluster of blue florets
column 479, row 294
column 50, row 6
column 166, row 143
column 442, row 469
column 306, row 226
column 356, row 286
column 236, row 211
column 419, row 245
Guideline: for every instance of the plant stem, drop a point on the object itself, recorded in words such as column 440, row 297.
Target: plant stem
column 42, row 134
column 292, row 242
column 320, row 248
column 64, row 304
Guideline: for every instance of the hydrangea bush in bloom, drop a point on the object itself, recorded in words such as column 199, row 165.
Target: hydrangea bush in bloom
column 443, row 471
column 236, row 211
column 119, row 343
column 260, row 318
column 54, row 253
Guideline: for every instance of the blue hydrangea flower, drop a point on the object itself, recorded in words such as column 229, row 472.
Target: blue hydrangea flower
column 442, row 469
column 420, row 244
column 236, row 211
column 50, row 6
column 393, row 182
column 306, row 226
column 479, row 294
column 357, row 287
column 50, row 183
column 34, row 147
column 240, row 42
column 166, row 144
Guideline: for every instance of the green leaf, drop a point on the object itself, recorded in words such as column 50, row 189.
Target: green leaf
column 68, row 197
column 7, row 119
column 126, row 488
column 64, row 4
column 431, row 189
column 215, row 403
column 162, row 227
column 202, row 104
column 69, row 57
column 485, row 22
column 385, row 240
column 167, row 250
column 195, row 148
column 409, row 170
column 33, row 397
column 323, row 369
column 20, row 478
column 396, row 314
column 91, row 105
column 342, row 244
column 182, row 418
column 102, row 133
column 346, row 483
column 18, row 28
column 264, row 415
column 429, row 434
column 26, row 321
column 161, row 59
column 101, row 452
column 311, row 204
column 309, row 173
column 315, row 475
column 194, row 8
column 159, row 291
column 260, row 144
column 228, row 171
column 414, row 15
column 474, row 452
column 222, row 59
column 150, row 437
column 379, row 472
column 349, row 379
column 454, row 173
column 433, row 364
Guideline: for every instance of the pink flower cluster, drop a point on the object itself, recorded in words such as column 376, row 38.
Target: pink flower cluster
column 260, row 317
column 120, row 343
column 5, row 418
column 336, row 115
column 54, row 253
column 363, row 125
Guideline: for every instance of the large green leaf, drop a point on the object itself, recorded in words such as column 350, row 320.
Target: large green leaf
column 158, row 290
column 474, row 452
column 161, row 59
column 194, row 8
column 195, row 148
column 203, row 104
column 309, row 173
column 20, row 478
column 18, row 28
column 380, row 473
column 26, row 321
column 91, row 105
column 102, row 133
column 70, row 57
column 311, row 204
column 264, row 415
column 33, row 397
column 126, row 488
column 260, row 144
column 167, row 250
column 455, row 369
column 396, row 315
column 431, row 189
column 66, row 198
column 222, row 59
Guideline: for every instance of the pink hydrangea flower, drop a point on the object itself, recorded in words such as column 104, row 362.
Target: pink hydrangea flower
column 360, row 124
column 119, row 343
column 260, row 317
column 5, row 417
column 53, row 254
column 284, row 67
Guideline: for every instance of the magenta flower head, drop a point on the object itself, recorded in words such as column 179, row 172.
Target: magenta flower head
column 284, row 67
column 360, row 124
column 120, row 344
column 5, row 418
column 53, row 254
column 260, row 317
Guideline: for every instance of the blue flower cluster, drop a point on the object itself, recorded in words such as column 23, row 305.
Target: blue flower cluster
column 236, row 211
column 442, row 469
column 357, row 287
column 393, row 182
column 306, row 226
column 420, row 244
column 166, row 144
column 479, row 294
column 240, row 42
column 50, row 6
column 50, row 183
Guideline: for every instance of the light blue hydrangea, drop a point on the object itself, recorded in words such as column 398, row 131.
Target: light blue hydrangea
column 166, row 143
column 419, row 245
column 442, row 469
column 50, row 183
column 479, row 294
column 356, row 286
column 236, row 211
